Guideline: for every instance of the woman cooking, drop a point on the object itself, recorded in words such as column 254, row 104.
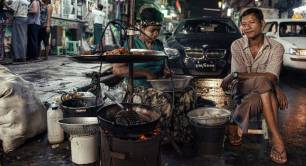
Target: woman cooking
column 150, row 24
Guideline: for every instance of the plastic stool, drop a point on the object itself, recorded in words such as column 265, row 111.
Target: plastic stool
column 72, row 47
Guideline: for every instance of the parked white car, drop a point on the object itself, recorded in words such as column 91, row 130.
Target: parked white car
column 292, row 34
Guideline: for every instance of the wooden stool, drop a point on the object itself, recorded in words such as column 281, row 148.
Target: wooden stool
column 263, row 130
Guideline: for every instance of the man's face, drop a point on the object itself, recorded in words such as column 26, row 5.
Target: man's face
column 152, row 32
column 251, row 26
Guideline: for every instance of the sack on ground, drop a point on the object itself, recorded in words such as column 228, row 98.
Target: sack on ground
column 22, row 115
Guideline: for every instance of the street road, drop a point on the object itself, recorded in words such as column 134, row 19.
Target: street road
column 61, row 74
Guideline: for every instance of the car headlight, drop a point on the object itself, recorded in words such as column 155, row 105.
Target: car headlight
column 293, row 51
column 296, row 51
column 172, row 53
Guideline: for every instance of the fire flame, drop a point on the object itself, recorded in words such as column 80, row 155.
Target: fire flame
column 145, row 137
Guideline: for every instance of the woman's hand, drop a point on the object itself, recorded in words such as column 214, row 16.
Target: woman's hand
column 167, row 72
column 48, row 29
column 281, row 98
column 150, row 76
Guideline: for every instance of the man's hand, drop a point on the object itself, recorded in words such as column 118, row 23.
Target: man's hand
column 281, row 98
column 227, row 81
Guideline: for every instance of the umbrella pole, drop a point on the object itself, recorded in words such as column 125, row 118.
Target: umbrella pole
column 130, row 45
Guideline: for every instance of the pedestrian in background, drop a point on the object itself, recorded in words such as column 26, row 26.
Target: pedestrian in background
column 99, row 19
column 45, row 19
column 33, row 30
column 2, row 28
column 19, row 29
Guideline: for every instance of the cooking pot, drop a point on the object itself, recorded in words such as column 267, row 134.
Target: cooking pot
column 107, row 119
column 80, row 108
column 210, row 116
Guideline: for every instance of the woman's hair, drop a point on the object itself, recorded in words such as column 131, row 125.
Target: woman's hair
column 100, row 6
column 255, row 11
column 150, row 16
column 47, row 1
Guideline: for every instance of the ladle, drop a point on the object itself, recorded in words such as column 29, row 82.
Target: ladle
column 127, row 116
column 112, row 98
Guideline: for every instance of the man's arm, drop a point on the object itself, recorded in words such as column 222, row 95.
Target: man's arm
column 269, row 76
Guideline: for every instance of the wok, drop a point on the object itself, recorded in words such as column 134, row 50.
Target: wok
column 107, row 120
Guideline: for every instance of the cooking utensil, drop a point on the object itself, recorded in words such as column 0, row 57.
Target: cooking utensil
column 180, row 82
column 210, row 116
column 112, row 98
column 125, row 116
column 107, row 119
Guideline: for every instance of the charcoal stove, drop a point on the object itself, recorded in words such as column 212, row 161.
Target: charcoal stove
column 129, row 144
column 131, row 150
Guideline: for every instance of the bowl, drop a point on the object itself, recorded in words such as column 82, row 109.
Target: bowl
column 210, row 116
column 80, row 125
column 178, row 82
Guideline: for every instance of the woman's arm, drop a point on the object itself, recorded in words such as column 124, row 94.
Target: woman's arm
column 34, row 7
column 50, row 10
column 122, row 70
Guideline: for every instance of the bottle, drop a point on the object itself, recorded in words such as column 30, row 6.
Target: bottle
column 55, row 131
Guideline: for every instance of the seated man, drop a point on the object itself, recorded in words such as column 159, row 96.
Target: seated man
column 256, row 64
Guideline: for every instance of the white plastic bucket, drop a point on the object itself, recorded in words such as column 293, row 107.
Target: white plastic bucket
column 83, row 149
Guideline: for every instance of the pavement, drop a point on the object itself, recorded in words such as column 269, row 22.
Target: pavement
column 60, row 74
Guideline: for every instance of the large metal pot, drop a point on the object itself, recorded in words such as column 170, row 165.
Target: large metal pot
column 210, row 116
column 79, row 108
column 107, row 121
column 178, row 82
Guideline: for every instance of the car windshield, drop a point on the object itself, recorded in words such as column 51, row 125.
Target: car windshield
column 206, row 26
column 292, row 29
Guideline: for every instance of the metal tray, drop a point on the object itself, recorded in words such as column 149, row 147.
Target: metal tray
column 87, row 59
column 131, row 58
